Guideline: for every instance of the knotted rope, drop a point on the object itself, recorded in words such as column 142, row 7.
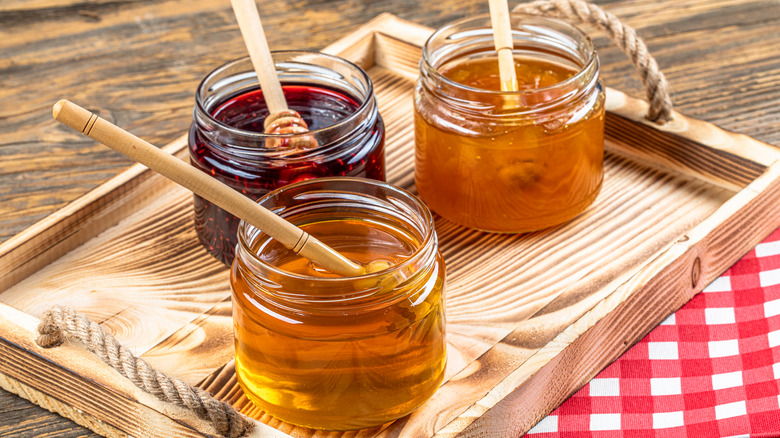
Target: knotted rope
column 579, row 11
column 60, row 323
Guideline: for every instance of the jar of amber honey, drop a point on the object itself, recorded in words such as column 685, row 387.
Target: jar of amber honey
column 509, row 161
column 338, row 353
column 227, row 139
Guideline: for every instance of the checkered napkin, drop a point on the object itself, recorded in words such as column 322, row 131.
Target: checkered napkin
column 709, row 370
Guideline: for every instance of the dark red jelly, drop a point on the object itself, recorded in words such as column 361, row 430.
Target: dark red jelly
column 228, row 144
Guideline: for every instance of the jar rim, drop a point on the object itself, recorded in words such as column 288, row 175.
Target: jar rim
column 428, row 240
column 260, row 137
column 592, row 58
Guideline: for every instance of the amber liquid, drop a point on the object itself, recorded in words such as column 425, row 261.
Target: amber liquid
column 329, row 364
column 506, row 177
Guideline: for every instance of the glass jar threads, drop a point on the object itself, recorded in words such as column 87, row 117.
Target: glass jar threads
column 509, row 161
column 330, row 352
column 226, row 140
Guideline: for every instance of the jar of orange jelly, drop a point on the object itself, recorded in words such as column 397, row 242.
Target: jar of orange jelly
column 509, row 161
column 328, row 352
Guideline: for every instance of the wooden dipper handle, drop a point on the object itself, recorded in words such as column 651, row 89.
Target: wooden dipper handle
column 202, row 184
column 254, row 37
column 287, row 121
column 502, row 38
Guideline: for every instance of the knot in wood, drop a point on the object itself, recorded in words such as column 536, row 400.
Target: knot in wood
column 695, row 272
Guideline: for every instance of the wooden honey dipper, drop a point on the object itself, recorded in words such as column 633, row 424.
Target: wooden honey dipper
column 281, row 120
column 198, row 182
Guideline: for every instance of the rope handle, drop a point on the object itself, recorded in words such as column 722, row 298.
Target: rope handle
column 579, row 11
column 60, row 323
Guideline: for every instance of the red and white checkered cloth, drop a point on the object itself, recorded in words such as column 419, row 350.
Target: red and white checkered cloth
column 709, row 370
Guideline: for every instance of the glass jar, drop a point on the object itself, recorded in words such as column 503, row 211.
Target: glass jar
column 340, row 353
column 334, row 96
column 509, row 161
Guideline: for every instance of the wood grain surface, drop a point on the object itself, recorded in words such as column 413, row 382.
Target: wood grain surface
column 137, row 63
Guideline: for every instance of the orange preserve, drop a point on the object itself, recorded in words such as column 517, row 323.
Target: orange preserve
column 328, row 352
column 509, row 161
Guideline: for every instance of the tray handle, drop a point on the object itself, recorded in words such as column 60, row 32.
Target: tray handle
column 61, row 323
column 579, row 11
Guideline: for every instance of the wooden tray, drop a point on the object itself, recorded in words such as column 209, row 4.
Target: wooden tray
column 531, row 318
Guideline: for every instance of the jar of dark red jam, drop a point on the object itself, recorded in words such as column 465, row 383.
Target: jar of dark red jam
column 329, row 352
column 334, row 96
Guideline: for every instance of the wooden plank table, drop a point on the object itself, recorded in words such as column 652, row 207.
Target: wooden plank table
column 139, row 62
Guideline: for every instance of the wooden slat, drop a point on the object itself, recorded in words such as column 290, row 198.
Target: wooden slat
column 684, row 140
column 686, row 156
column 58, row 407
